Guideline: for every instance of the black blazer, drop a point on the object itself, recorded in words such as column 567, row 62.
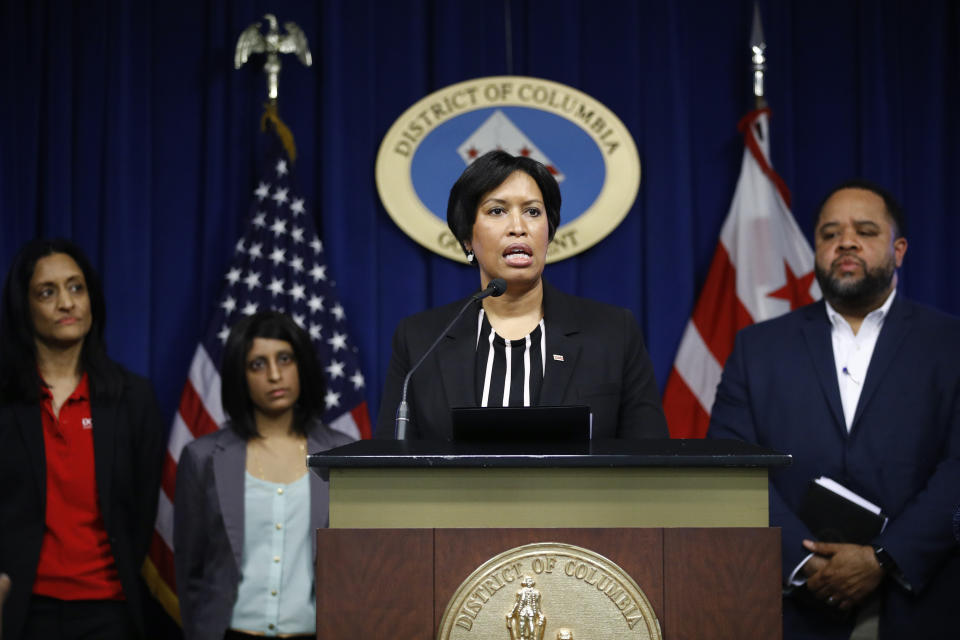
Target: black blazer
column 127, row 451
column 595, row 356
column 779, row 390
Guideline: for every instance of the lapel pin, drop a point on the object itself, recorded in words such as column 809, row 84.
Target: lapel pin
column 558, row 357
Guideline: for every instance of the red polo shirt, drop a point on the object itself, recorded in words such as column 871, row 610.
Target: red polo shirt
column 76, row 562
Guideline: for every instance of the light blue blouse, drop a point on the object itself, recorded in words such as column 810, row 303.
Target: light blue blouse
column 276, row 591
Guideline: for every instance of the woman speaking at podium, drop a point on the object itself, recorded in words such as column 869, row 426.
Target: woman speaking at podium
column 531, row 346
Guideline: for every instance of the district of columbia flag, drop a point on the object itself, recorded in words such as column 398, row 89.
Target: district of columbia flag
column 762, row 267
column 277, row 264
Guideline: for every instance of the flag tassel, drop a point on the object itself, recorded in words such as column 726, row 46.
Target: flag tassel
column 272, row 117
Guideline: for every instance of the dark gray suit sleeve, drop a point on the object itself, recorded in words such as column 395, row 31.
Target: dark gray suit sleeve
column 189, row 538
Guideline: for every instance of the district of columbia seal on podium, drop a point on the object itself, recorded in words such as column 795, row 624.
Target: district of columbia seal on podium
column 549, row 591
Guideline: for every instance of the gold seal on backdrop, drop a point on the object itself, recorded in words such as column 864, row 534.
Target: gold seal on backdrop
column 586, row 147
column 549, row 591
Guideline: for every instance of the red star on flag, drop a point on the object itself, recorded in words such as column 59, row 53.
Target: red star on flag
column 525, row 151
column 473, row 152
column 796, row 291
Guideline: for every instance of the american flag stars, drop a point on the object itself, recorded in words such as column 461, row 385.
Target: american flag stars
column 319, row 272
column 338, row 341
column 332, row 399
column 279, row 227
column 279, row 264
column 297, row 292
column 252, row 280
column 278, row 256
column 276, row 287
column 335, row 369
column 357, row 380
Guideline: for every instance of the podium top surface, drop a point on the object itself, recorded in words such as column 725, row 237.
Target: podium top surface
column 595, row 453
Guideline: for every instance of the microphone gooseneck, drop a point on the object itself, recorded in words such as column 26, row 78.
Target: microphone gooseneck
column 496, row 287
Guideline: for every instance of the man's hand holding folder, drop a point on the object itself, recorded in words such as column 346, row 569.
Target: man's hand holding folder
column 848, row 573
column 844, row 569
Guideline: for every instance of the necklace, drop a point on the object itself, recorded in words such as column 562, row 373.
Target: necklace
column 259, row 463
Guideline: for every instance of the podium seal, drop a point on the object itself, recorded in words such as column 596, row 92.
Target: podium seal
column 549, row 591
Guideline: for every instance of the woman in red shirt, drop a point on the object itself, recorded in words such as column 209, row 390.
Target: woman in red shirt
column 80, row 454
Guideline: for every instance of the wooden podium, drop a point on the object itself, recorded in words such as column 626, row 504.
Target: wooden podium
column 686, row 519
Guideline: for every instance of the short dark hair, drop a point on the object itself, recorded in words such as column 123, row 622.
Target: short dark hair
column 484, row 175
column 19, row 379
column 892, row 205
column 234, row 392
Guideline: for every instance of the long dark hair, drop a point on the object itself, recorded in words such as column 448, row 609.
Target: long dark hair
column 19, row 379
column 234, row 392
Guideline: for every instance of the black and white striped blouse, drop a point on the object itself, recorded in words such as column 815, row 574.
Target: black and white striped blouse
column 509, row 373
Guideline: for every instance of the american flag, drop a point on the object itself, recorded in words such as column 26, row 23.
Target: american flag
column 278, row 264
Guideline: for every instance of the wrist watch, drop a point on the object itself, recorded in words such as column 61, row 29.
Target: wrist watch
column 883, row 557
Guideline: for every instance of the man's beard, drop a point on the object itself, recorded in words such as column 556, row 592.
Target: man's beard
column 862, row 293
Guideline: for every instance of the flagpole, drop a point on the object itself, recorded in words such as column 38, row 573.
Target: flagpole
column 758, row 49
column 273, row 44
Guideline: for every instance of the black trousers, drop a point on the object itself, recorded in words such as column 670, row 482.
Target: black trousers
column 53, row 619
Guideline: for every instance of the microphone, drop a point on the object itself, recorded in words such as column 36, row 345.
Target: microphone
column 497, row 287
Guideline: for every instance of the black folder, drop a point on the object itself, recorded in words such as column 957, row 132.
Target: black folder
column 832, row 517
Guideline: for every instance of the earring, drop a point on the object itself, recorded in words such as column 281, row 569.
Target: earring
column 470, row 257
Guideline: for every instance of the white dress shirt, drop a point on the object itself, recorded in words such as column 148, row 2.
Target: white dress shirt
column 852, row 353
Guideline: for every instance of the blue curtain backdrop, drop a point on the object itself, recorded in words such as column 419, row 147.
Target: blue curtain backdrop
column 124, row 126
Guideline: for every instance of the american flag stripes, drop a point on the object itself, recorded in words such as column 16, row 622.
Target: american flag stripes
column 763, row 267
column 278, row 264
